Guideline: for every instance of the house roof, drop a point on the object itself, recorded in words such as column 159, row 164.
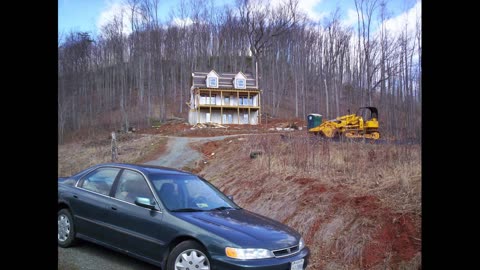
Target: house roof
column 212, row 73
column 240, row 75
column 225, row 80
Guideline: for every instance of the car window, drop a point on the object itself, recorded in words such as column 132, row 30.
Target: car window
column 100, row 180
column 68, row 181
column 132, row 185
column 197, row 189
column 188, row 192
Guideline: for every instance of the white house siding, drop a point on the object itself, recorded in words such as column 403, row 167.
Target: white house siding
column 217, row 100
column 192, row 117
column 230, row 111
column 228, row 115
column 255, row 100
column 254, row 117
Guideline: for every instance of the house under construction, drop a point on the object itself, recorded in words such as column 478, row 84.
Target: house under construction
column 224, row 98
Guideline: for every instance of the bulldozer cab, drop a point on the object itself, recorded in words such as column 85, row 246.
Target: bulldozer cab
column 367, row 113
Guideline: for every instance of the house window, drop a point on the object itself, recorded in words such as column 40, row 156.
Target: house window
column 206, row 99
column 240, row 83
column 212, row 82
column 227, row 101
column 245, row 118
column 245, row 101
column 213, row 100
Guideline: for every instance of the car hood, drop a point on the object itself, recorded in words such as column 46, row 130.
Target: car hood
column 244, row 228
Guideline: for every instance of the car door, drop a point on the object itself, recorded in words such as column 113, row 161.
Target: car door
column 91, row 201
column 137, row 229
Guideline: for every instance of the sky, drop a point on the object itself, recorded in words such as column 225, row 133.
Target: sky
column 90, row 15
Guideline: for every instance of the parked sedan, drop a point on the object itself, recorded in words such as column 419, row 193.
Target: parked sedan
column 173, row 219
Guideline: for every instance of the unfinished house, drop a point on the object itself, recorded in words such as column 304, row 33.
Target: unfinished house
column 224, row 98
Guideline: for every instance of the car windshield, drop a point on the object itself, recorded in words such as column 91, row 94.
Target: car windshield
column 189, row 193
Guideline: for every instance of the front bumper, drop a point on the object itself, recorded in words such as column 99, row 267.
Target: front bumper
column 226, row 263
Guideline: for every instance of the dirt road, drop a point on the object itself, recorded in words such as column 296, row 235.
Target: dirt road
column 179, row 154
column 87, row 256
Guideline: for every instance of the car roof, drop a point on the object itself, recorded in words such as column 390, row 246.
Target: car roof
column 146, row 169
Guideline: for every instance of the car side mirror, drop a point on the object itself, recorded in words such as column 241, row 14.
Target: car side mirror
column 144, row 202
column 230, row 197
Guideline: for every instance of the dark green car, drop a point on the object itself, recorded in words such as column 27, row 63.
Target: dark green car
column 172, row 219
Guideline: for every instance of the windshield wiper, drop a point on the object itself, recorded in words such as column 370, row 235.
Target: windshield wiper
column 222, row 208
column 187, row 210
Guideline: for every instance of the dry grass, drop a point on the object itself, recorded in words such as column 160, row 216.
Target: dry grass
column 132, row 148
column 357, row 205
column 376, row 169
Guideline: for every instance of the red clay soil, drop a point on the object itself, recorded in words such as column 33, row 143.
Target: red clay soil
column 366, row 204
column 303, row 181
column 177, row 128
column 206, row 149
column 339, row 198
column 395, row 236
column 159, row 150
column 315, row 190
column 254, row 196
column 210, row 147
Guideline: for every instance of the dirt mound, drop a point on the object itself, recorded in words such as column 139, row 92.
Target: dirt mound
column 209, row 148
column 177, row 127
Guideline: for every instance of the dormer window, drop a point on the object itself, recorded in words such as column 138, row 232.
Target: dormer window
column 212, row 79
column 212, row 82
column 240, row 81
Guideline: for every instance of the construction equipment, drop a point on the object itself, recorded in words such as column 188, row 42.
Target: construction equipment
column 363, row 124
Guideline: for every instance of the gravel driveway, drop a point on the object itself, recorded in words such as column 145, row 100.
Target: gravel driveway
column 87, row 256
column 179, row 154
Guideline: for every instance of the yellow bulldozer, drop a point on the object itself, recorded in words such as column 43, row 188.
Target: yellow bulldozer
column 362, row 124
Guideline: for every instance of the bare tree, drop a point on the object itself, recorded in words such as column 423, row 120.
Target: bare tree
column 117, row 80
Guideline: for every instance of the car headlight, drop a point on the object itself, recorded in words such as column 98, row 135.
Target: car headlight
column 248, row 253
column 301, row 245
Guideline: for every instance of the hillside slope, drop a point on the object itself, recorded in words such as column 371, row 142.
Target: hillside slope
column 351, row 218
column 357, row 205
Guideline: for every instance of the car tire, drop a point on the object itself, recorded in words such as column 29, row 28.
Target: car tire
column 66, row 229
column 195, row 252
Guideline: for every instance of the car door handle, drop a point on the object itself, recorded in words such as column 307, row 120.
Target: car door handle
column 75, row 196
column 114, row 208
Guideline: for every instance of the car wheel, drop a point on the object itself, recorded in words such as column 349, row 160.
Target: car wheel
column 66, row 231
column 188, row 255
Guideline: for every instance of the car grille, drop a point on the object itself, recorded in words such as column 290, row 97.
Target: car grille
column 286, row 251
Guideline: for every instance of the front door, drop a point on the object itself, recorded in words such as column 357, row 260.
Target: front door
column 137, row 229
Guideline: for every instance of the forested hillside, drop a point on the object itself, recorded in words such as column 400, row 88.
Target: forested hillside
column 119, row 78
